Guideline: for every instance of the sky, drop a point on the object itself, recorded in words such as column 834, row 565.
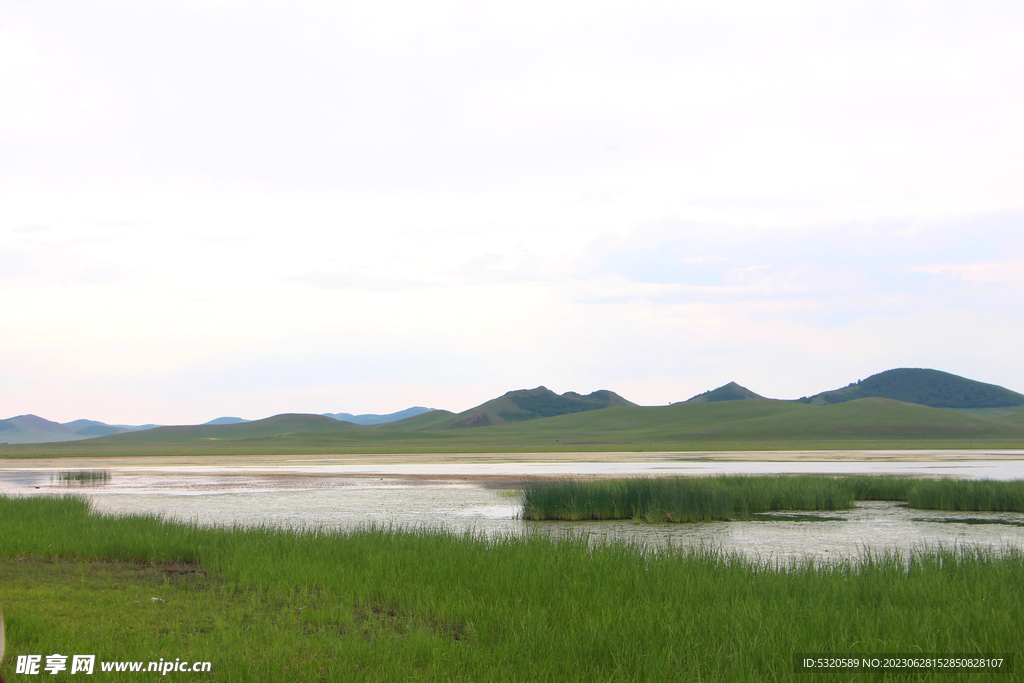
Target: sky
column 247, row 208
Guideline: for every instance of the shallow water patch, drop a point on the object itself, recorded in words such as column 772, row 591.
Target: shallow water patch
column 321, row 497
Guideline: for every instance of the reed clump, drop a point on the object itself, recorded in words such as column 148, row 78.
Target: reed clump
column 984, row 495
column 655, row 500
column 681, row 499
column 725, row 497
column 81, row 477
column 868, row 487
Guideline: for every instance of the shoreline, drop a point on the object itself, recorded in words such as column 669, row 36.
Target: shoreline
column 301, row 462
column 502, row 470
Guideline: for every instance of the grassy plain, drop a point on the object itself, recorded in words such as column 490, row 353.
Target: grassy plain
column 385, row 604
column 728, row 426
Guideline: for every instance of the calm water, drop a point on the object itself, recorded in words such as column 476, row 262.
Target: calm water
column 478, row 498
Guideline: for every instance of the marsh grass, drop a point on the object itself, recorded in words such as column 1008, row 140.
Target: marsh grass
column 724, row 497
column 81, row 477
column 682, row 499
column 867, row 487
column 383, row 604
column 980, row 496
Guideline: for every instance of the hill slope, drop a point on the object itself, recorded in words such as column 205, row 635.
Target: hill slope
column 763, row 425
column 924, row 387
column 525, row 405
column 35, row 429
column 727, row 392
column 725, row 425
column 373, row 419
column 286, row 425
column 25, row 429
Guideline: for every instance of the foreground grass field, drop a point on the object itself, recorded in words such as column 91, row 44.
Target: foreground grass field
column 272, row 605
column 694, row 499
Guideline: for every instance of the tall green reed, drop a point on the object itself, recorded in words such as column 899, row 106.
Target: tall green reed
column 681, row 499
column 956, row 494
column 722, row 497
column 82, row 476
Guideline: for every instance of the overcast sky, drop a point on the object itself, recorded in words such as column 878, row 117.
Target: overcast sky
column 247, row 208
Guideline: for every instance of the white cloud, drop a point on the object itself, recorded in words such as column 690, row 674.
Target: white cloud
column 643, row 197
column 1008, row 272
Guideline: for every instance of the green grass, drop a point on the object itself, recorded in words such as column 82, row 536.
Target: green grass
column 695, row 499
column 731, row 425
column 1008, row 413
column 682, row 499
column 868, row 487
column 982, row 496
column 386, row 604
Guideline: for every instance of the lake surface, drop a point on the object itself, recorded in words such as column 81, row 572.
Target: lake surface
column 482, row 498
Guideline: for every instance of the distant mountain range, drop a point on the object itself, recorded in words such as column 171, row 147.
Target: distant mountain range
column 35, row 429
column 923, row 387
column 367, row 419
column 379, row 419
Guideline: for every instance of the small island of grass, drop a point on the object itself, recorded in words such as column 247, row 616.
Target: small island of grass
column 725, row 497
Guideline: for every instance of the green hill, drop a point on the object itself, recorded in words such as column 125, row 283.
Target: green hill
column 1015, row 418
column 288, row 424
column 524, row 405
column 727, row 392
column 1003, row 413
column 765, row 425
column 538, row 420
column 417, row 422
column 923, row 387
column 871, row 423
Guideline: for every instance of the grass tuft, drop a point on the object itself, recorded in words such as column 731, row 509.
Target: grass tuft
column 81, row 476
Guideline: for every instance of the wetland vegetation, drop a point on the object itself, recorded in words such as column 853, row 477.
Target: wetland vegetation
column 390, row 604
column 81, row 477
column 695, row 499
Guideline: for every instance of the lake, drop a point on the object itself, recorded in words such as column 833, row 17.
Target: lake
column 481, row 497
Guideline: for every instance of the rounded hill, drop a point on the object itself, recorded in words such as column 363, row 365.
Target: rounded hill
column 727, row 392
column 524, row 405
column 932, row 388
